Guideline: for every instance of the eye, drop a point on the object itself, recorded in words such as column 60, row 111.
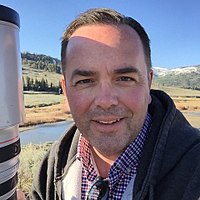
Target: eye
column 125, row 78
column 84, row 81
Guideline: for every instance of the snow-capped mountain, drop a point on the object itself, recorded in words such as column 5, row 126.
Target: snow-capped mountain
column 185, row 77
column 158, row 71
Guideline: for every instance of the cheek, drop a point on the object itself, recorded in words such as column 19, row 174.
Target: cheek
column 136, row 99
column 79, row 102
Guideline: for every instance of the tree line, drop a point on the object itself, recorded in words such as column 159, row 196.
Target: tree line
column 30, row 84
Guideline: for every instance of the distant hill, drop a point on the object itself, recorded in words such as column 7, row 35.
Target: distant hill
column 41, row 72
column 184, row 77
column 41, row 62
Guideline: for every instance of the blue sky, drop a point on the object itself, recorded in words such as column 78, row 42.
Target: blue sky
column 173, row 25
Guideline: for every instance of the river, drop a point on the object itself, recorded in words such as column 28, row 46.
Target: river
column 44, row 133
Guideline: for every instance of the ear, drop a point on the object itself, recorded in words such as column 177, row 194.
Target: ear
column 67, row 109
column 150, row 77
column 63, row 86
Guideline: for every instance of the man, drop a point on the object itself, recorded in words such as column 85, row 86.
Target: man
column 127, row 142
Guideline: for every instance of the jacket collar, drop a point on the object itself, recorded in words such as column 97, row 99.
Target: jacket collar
column 161, row 107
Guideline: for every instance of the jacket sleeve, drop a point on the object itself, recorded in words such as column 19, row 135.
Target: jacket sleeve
column 43, row 183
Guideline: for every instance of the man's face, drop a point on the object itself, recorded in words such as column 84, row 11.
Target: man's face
column 107, row 85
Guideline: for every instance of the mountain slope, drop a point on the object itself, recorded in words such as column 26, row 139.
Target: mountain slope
column 185, row 77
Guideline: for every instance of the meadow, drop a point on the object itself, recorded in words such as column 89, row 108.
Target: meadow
column 178, row 92
column 43, row 108
column 41, row 99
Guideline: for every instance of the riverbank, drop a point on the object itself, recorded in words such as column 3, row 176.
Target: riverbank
column 47, row 114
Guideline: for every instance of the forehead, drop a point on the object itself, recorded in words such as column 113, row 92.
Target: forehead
column 110, row 35
column 94, row 46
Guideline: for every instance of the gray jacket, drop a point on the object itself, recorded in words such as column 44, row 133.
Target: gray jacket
column 169, row 168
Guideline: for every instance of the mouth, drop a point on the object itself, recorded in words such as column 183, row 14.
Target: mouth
column 107, row 122
column 107, row 125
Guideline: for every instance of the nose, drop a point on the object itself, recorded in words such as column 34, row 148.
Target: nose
column 106, row 96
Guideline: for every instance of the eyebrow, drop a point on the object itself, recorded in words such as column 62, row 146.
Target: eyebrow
column 124, row 70
column 78, row 72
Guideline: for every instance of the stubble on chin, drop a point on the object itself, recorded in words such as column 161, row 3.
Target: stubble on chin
column 113, row 143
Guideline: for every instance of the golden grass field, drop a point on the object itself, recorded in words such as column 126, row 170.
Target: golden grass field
column 48, row 108
column 190, row 109
column 187, row 101
column 44, row 108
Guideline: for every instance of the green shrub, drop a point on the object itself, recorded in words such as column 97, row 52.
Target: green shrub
column 30, row 157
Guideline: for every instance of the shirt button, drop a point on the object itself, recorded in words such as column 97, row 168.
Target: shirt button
column 128, row 170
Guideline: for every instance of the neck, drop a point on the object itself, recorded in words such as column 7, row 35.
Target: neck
column 103, row 162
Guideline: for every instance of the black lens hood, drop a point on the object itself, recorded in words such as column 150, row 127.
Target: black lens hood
column 9, row 15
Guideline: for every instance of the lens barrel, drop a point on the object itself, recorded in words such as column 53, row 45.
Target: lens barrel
column 11, row 101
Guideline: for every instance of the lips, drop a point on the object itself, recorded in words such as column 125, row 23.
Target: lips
column 107, row 125
column 107, row 122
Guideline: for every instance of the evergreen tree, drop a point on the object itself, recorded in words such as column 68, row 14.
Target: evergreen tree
column 28, row 83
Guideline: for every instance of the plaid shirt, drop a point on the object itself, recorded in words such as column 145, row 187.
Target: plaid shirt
column 123, row 169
